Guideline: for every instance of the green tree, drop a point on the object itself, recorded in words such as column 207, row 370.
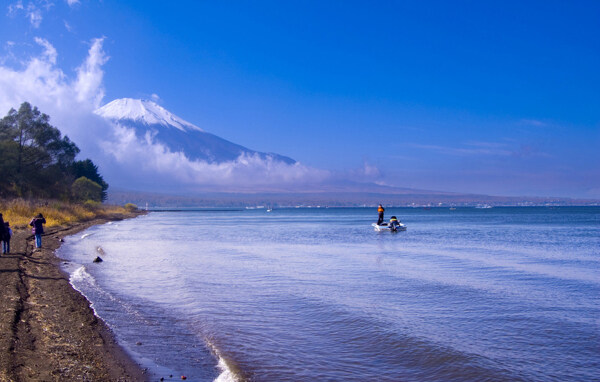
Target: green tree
column 36, row 159
column 84, row 189
column 88, row 169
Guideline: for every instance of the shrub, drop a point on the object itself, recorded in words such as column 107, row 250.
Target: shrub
column 92, row 204
column 85, row 189
column 130, row 207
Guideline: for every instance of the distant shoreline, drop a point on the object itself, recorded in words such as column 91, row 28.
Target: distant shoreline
column 263, row 209
column 48, row 331
column 228, row 200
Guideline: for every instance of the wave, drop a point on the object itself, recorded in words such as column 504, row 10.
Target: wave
column 81, row 275
column 229, row 372
column 83, row 282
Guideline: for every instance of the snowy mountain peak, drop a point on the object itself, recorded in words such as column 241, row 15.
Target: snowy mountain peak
column 177, row 135
column 143, row 111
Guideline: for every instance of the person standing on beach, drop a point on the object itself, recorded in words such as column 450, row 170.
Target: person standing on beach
column 3, row 232
column 380, row 212
column 7, row 236
column 38, row 229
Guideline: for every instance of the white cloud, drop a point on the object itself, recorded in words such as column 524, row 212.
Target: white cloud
column 474, row 149
column 35, row 15
column 32, row 12
column 14, row 8
column 73, row 2
column 50, row 53
column 155, row 97
column 90, row 74
column 368, row 172
column 151, row 163
column 43, row 84
column 69, row 102
column 9, row 55
column 533, row 122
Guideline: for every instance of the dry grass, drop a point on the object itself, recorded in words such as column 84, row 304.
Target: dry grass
column 19, row 212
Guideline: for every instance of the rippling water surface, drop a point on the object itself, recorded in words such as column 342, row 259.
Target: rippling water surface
column 502, row 294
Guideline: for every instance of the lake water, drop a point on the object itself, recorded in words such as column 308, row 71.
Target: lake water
column 501, row 294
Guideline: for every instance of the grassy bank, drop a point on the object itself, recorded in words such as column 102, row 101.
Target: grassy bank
column 19, row 212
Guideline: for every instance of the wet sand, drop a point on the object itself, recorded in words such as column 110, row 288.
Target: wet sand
column 48, row 332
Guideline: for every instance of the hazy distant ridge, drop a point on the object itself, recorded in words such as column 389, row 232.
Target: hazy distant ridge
column 335, row 199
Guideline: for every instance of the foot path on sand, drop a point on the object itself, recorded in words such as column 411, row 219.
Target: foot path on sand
column 48, row 332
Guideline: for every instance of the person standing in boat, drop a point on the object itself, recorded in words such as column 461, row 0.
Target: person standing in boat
column 380, row 211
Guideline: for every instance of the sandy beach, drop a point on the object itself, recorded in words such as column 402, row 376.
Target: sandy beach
column 48, row 331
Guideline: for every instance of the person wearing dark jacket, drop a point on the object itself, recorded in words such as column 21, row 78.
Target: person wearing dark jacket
column 3, row 232
column 6, row 242
column 38, row 229
column 394, row 224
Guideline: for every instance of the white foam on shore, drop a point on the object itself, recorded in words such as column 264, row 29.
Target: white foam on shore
column 81, row 275
column 227, row 374
column 86, row 235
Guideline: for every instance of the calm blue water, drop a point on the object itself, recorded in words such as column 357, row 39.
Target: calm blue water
column 502, row 294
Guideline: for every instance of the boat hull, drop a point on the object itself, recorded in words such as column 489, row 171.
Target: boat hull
column 380, row 228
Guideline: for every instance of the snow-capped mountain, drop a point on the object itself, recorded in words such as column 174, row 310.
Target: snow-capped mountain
column 175, row 133
column 144, row 112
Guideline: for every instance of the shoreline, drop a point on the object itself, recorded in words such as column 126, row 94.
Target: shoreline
column 48, row 330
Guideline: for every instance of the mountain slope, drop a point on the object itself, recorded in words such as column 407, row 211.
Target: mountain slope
column 146, row 117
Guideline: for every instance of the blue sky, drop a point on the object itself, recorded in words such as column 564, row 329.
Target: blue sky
column 499, row 98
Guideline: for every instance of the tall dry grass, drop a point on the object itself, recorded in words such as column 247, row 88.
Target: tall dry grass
column 19, row 212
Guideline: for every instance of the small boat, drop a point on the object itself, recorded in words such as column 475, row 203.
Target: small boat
column 386, row 227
